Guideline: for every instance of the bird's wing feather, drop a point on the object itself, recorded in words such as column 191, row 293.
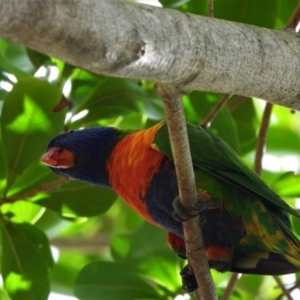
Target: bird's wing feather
column 213, row 155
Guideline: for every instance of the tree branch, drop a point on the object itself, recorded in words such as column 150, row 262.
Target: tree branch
column 283, row 288
column 45, row 187
column 92, row 246
column 195, row 248
column 238, row 101
column 213, row 113
column 290, row 290
column 295, row 18
column 261, row 139
column 163, row 45
column 211, row 8
column 231, row 285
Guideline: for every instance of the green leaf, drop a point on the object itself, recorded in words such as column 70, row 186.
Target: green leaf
column 269, row 14
column 106, row 280
column 64, row 71
column 112, row 98
column 3, row 180
column 146, row 251
column 296, row 226
column 22, row 211
column 110, row 91
column 67, row 269
column 14, row 59
column 283, row 140
column 4, row 76
column 38, row 59
column 31, row 178
column 173, row 3
column 255, row 12
column 246, row 120
column 248, row 285
column 3, row 295
column 26, row 261
column 287, row 185
column 223, row 124
column 77, row 198
column 284, row 12
column 83, row 83
column 28, row 123
column 192, row 6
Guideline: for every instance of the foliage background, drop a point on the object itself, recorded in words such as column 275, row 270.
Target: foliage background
column 102, row 249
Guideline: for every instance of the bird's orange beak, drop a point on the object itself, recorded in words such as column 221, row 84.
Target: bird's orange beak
column 58, row 158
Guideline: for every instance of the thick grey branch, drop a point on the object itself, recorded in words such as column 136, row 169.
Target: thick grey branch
column 124, row 39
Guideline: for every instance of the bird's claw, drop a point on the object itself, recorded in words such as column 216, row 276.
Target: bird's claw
column 182, row 214
column 189, row 282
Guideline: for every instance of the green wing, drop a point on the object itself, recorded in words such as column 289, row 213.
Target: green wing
column 213, row 155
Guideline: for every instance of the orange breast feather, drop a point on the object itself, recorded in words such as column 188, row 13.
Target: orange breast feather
column 131, row 167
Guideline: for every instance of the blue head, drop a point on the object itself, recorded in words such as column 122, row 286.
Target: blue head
column 82, row 154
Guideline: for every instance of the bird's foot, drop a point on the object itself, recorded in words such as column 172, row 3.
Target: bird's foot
column 189, row 282
column 182, row 214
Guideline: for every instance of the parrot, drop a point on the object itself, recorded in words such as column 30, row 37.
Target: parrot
column 246, row 226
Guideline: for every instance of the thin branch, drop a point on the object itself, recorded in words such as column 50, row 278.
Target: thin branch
column 195, row 248
column 238, row 101
column 213, row 113
column 92, row 246
column 295, row 286
column 211, row 8
column 262, row 138
column 231, row 285
column 43, row 188
column 283, row 288
column 295, row 18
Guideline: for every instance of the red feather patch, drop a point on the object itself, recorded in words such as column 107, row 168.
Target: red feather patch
column 131, row 167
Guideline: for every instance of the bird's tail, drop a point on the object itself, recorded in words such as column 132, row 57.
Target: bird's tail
column 267, row 263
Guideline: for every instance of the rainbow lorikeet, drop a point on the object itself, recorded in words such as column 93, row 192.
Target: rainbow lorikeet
column 246, row 228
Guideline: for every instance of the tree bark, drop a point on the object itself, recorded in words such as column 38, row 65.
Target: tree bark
column 195, row 248
column 123, row 39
